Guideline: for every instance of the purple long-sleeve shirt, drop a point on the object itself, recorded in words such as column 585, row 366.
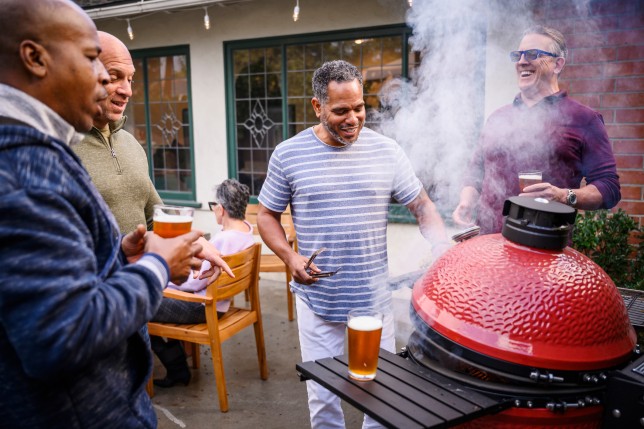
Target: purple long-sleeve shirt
column 564, row 139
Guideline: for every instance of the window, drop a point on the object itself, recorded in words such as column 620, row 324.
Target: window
column 268, row 84
column 258, row 112
column 159, row 116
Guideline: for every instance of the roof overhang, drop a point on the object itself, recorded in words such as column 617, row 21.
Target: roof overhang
column 145, row 6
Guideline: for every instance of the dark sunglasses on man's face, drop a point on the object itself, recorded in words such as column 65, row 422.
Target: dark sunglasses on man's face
column 212, row 205
column 530, row 54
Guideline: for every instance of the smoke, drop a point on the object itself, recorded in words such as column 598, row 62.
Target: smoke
column 459, row 73
column 463, row 75
column 437, row 115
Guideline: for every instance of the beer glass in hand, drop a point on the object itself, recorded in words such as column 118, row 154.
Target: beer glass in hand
column 364, row 328
column 171, row 221
column 527, row 178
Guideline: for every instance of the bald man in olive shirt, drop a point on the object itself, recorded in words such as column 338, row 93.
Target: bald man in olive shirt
column 113, row 157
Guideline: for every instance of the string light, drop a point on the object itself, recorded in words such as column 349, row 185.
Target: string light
column 411, row 2
column 130, row 32
column 296, row 11
column 206, row 19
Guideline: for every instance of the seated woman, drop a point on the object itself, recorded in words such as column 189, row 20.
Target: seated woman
column 231, row 199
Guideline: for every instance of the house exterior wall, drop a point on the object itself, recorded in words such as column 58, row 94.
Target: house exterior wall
column 256, row 19
column 605, row 71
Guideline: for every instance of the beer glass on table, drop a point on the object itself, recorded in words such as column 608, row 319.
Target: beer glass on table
column 527, row 178
column 364, row 328
column 171, row 221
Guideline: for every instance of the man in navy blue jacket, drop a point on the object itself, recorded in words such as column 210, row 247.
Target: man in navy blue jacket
column 74, row 293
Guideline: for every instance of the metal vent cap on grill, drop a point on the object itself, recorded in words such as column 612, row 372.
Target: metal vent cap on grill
column 537, row 222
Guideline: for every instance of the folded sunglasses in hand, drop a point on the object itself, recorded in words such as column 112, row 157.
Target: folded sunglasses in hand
column 323, row 273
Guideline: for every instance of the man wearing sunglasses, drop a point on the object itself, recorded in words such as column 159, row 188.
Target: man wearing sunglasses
column 543, row 129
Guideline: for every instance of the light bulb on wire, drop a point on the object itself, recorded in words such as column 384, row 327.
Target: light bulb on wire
column 206, row 19
column 130, row 32
column 296, row 11
column 410, row 2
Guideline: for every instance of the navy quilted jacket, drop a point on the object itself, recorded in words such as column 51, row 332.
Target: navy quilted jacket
column 71, row 355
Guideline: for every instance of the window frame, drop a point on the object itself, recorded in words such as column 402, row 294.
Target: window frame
column 397, row 212
column 185, row 198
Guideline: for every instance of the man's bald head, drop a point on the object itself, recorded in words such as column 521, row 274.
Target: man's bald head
column 30, row 20
column 49, row 50
column 111, row 46
column 118, row 62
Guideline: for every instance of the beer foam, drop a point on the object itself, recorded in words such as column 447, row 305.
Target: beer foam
column 164, row 217
column 530, row 176
column 365, row 323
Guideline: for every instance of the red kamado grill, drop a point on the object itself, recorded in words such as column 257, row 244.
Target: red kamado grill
column 521, row 316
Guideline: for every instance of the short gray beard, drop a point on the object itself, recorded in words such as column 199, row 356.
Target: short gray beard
column 335, row 135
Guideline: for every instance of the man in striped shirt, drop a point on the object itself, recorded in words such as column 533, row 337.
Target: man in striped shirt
column 338, row 178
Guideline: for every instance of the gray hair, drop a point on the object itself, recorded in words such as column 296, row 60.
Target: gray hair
column 233, row 196
column 559, row 47
column 333, row 71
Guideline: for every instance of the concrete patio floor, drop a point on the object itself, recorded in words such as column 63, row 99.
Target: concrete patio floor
column 279, row 402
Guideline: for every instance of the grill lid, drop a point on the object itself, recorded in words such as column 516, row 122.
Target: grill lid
column 547, row 309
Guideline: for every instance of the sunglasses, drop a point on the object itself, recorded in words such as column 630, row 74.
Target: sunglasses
column 212, row 205
column 322, row 274
column 530, row 54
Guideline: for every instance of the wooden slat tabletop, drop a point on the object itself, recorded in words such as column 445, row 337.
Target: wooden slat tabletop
column 403, row 395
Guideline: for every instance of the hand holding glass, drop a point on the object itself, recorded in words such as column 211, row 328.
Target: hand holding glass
column 527, row 178
column 172, row 221
column 364, row 329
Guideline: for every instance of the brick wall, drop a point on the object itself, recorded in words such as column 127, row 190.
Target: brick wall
column 605, row 70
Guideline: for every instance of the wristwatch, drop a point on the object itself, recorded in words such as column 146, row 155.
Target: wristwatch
column 571, row 199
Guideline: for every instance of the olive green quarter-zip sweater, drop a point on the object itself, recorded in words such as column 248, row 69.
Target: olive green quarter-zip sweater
column 118, row 167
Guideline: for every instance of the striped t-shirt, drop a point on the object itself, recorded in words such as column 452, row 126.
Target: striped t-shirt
column 339, row 199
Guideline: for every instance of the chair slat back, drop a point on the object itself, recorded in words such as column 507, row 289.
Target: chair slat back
column 245, row 267
column 270, row 262
column 286, row 221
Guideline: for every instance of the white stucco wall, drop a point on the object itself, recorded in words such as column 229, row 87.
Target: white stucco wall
column 505, row 26
column 269, row 18
column 254, row 19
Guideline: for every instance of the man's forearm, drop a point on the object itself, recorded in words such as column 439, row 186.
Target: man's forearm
column 272, row 233
column 429, row 220
column 588, row 197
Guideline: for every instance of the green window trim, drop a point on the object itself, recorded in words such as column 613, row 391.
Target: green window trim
column 397, row 212
column 183, row 203
column 183, row 197
column 400, row 214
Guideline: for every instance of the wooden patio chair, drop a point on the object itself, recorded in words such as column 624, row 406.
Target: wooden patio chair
column 270, row 263
column 245, row 266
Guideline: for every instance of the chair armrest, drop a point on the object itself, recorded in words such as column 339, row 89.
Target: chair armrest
column 185, row 296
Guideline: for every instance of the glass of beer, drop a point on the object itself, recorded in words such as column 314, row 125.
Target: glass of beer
column 527, row 178
column 364, row 328
column 171, row 221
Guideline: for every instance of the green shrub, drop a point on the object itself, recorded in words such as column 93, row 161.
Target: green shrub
column 604, row 237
